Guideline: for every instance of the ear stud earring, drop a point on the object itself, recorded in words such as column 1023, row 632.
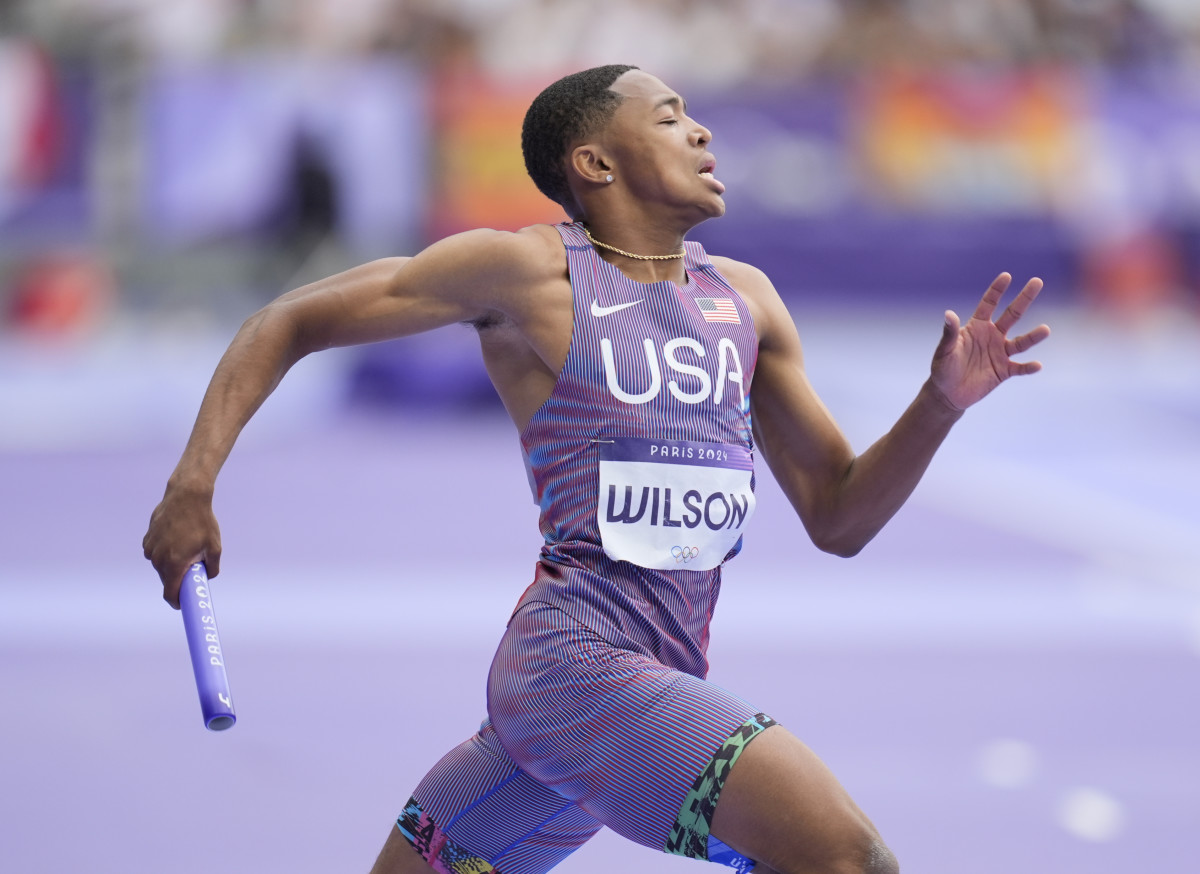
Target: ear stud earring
column 608, row 178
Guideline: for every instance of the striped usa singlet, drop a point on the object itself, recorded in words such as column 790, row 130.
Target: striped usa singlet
column 598, row 710
column 666, row 368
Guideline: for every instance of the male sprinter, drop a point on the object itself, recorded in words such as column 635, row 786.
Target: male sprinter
column 626, row 358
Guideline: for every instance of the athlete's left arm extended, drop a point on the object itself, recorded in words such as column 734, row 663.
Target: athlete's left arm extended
column 844, row 499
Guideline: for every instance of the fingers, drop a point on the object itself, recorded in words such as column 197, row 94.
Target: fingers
column 164, row 566
column 1017, row 308
column 171, row 590
column 991, row 297
column 949, row 334
column 1019, row 344
column 171, row 573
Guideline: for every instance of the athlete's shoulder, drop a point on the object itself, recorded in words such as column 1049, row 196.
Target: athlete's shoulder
column 531, row 240
column 745, row 278
column 542, row 246
column 527, row 253
column 759, row 294
column 541, row 235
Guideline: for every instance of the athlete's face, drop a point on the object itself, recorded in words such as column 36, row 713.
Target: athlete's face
column 661, row 153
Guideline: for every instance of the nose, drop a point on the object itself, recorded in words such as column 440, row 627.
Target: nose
column 702, row 135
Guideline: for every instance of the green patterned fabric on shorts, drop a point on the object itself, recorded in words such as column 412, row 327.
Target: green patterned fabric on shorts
column 689, row 835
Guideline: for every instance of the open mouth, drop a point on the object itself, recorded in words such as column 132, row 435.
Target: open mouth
column 706, row 173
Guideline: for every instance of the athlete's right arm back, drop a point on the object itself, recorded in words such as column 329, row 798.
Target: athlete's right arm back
column 464, row 278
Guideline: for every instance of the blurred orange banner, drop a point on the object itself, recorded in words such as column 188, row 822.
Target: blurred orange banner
column 987, row 143
column 479, row 178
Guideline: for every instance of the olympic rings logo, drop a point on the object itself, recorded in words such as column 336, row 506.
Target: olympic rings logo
column 685, row 554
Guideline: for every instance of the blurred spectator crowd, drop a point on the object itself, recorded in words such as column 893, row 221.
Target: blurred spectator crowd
column 173, row 149
column 704, row 41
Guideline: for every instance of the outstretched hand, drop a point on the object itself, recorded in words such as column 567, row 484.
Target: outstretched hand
column 974, row 358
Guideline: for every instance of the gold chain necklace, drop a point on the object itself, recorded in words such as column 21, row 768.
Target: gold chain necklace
column 596, row 242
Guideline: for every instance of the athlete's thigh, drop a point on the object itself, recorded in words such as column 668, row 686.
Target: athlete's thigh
column 782, row 806
column 476, row 812
column 398, row 856
column 642, row 747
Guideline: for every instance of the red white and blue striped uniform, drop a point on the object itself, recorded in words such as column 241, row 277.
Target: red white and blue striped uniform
column 669, row 612
column 598, row 710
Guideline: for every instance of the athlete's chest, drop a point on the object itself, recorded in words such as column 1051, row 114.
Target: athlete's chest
column 691, row 344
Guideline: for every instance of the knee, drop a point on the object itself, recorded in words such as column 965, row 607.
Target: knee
column 865, row 853
column 873, row 858
column 869, row 857
column 879, row 860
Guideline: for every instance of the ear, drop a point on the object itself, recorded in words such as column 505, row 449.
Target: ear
column 589, row 164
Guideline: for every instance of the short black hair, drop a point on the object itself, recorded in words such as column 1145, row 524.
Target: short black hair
column 572, row 108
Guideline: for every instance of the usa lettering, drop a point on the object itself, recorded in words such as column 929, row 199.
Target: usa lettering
column 720, row 510
column 699, row 386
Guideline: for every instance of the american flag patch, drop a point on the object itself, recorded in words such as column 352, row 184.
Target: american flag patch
column 718, row 309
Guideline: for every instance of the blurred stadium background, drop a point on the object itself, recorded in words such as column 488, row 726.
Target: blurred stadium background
column 1005, row 680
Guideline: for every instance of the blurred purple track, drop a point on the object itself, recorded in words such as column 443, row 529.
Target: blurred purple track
column 1008, row 679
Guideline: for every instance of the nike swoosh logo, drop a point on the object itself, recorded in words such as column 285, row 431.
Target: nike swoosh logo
column 600, row 312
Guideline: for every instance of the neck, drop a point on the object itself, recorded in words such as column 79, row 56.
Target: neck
column 646, row 254
column 674, row 256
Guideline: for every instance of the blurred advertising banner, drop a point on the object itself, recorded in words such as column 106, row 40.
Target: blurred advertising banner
column 44, row 122
column 243, row 146
column 911, row 185
column 51, row 284
column 891, row 186
column 966, row 144
column 480, row 179
column 28, row 121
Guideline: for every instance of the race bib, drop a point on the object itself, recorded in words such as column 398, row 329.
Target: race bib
column 673, row 504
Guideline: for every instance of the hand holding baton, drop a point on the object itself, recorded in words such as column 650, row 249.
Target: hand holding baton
column 204, row 643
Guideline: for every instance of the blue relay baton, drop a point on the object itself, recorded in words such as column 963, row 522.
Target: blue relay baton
column 204, row 644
